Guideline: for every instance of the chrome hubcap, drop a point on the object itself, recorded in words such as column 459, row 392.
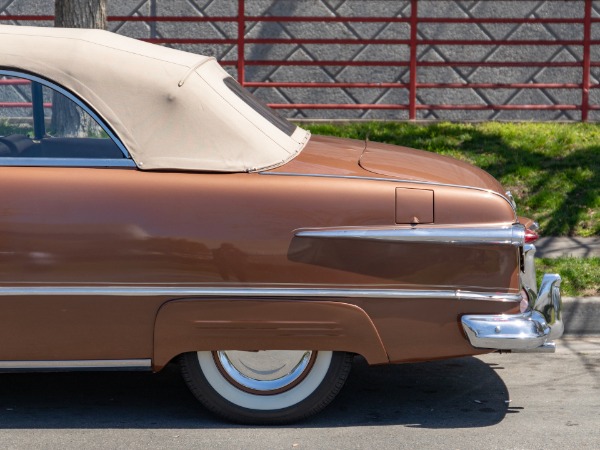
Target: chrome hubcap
column 264, row 372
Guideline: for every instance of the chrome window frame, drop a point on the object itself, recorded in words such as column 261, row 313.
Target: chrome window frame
column 124, row 162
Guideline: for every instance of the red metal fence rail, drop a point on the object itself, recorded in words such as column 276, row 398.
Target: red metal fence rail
column 413, row 63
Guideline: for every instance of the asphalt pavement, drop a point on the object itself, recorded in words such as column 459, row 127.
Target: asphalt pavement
column 496, row 401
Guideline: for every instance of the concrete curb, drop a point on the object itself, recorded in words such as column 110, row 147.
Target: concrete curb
column 581, row 315
column 555, row 247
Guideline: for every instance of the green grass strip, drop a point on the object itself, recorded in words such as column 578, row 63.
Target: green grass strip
column 581, row 276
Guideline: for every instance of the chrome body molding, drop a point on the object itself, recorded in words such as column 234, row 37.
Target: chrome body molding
column 528, row 278
column 126, row 291
column 503, row 235
column 66, row 162
column 511, row 199
column 70, row 96
column 393, row 180
column 531, row 331
column 75, row 365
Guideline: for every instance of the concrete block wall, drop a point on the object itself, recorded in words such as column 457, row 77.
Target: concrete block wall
column 379, row 8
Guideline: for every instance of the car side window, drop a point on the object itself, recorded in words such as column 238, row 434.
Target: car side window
column 38, row 121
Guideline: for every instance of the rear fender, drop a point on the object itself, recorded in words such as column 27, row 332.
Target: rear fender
column 202, row 325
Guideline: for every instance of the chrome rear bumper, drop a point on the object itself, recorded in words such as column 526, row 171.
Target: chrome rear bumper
column 531, row 331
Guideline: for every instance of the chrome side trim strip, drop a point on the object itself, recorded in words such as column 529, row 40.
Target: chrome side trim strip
column 75, row 99
column 92, row 364
column 511, row 199
column 255, row 292
column 508, row 235
column 66, row 162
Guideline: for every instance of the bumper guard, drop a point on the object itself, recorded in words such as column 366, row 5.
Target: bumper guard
column 531, row 331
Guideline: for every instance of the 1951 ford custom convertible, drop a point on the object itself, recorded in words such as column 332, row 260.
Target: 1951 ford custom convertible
column 152, row 210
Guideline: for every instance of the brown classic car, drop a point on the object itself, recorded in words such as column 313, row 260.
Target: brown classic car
column 152, row 210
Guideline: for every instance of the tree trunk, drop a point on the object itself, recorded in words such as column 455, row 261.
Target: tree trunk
column 67, row 119
column 80, row 14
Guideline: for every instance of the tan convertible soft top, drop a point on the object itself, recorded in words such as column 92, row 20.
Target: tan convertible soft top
column 171, row 109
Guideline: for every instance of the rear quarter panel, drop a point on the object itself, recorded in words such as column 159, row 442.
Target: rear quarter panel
column 102, row 227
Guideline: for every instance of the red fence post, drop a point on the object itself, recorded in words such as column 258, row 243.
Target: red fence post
column 241, row 21
column 585, row 82
column 412, row 91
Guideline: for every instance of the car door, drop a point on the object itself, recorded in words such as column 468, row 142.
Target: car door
column 64, row 238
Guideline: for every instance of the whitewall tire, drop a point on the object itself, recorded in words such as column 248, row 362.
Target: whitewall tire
column 265, row 387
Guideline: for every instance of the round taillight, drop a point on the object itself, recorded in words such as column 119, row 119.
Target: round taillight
column 531, row 236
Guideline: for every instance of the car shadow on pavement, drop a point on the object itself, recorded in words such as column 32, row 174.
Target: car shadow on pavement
column 457, row 393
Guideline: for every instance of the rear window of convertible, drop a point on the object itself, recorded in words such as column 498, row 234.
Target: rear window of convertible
column 260, row 107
